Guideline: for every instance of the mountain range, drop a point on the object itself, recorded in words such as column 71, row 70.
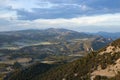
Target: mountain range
column 50, row 48
column 103, row 64
column 49, row 42
column 111, row 35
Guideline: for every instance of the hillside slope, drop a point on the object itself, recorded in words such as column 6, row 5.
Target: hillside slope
column 103, row 64
column 100, row 65
column 19, row 39
column 51, row 34
column 47, row 44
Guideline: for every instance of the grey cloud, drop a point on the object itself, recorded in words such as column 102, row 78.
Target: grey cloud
column 68, row 9
column 58, row 12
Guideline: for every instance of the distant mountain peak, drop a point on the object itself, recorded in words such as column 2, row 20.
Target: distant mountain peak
column 113, row 35
column 59, row 30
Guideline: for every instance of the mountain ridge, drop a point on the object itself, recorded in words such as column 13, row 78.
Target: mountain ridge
column 94, row 66
column 112, row 35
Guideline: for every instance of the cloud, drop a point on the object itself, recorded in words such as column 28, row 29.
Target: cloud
column 82, row 15
column 87, row 23
column 8, row 16
column 51, row 9
column 103, row 4
column 63, row 11
column 104, row 20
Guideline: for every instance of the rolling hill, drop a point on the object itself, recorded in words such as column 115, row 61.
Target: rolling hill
column 103, row 64
column 51, row 34
column 52, row 45
column 44, row 44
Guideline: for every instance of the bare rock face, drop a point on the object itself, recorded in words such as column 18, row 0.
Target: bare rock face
column 110, row 49
column 113, row 69
column 109, row 72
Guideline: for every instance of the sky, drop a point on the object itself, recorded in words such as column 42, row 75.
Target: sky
column 78, row 15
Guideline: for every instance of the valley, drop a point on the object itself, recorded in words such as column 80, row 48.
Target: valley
column 94, row 66
column 51, row 46
column 59, row 39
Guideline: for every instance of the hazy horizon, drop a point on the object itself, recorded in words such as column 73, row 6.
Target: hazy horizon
column 59, row 28
column 78, row 15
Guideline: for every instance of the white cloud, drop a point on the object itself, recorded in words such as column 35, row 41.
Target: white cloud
column 26, row 4
column 100, row 22
column 3, row 2
column 106, row 20
column 9, row 18
column 8, row 15
column 23, row 4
